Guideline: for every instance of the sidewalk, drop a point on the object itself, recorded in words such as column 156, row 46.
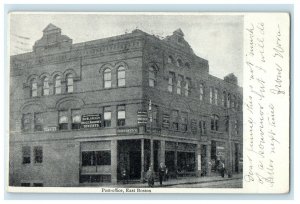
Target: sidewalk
column 172, row 182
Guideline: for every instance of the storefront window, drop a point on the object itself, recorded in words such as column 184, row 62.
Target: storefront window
column 93, row 158
column 186, row 162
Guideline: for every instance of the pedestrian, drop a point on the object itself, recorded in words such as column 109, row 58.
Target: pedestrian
column 161, row 173
column 167, row 174
column 222, row 165
column 124, row 176
column 150, row 177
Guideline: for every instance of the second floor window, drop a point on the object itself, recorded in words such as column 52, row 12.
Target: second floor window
column 228, row 102
column 214, row 125
column 187, row 88
column 179, row 84
column 38, row 122
column 121, row 115
column 70, row 83
column 171, row 81
column 152, row 77
column 38, row 154
column 57, row 85
column 175, row 118
column 63, row 120
column 211, row 95
column 26, row 155
column 46, row 86
column 224, row 98
column 184, row 121
column 26, row 122
column 202, row 127
column 34, row 88
column 107, row 78
column 121, row 76
column 216, row 96
column 107, row 116
column 76, row 119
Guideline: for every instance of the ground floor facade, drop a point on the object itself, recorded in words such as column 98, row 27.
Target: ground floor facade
column 98, row 160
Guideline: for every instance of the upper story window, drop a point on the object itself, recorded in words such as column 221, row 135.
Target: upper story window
column 170, row 60
column 171, row 81
column 57, row 84
column 233, row 102
column 216, row 96
column 76, row 119
column 224, row 99
column 179, row 62
column 26, row 155
column 63, row 120
column 34, row 88
column 107, row 116
column 236, row 127
column 107, row 78
column 187, row 65
column 202, row 127
column 155, row 116
column 227, row 123
column 121, row 115
column 70, row 83
column 38, row 122
column 228, row 102
column 175, row 118
column 38, row 154
column 184, row 121
column 152, row 77
column 201, row 92
column 121, row 76
column 179, row 84
column 46, row 86
column 187, row 87
column 26, row 122
column 214, row 125
column 211, row 95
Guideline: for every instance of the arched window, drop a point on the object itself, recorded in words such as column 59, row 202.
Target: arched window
column 152, row 77
column 121, row 76
column 57, row 84
column 33, row 88
column 187, row 65
column 170, row 60
column 179, row 62
column 70, row 83
column 224, row 98
column 45, row 86
column 179, row 84
column 107, row 78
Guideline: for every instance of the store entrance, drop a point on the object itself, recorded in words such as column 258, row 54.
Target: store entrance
column 134, row 164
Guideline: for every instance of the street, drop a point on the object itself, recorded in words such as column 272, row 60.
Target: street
column 235, row 183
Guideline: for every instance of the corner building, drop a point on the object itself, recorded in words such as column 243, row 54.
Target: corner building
column 82, row 113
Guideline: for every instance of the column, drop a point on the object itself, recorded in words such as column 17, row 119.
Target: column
column 114, row 162
column 198, row 160
column 208, row 158
column 162, row 151
column 176, row 146
column 142, row 160
column 151, row 154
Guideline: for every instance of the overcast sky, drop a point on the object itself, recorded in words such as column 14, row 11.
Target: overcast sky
column 217, row 38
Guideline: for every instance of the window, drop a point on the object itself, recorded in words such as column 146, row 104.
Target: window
column 216, row 96
column 38, row 122
column 171, row 81
column 26, row 154
column 26, row 122
column 228, row 100
column 25, row 184
column 224, row 99
column 93, row 158
column 170, row 60
column 211, row 95
column 155, row 116
column 187, row 87
column 107, row 78
column 76, row 119
column 46, row 86
column 184, row 121
column 179, row 62
column 175, row 117
column 202, row 127
column 38, row 185
column 70, row 83
column 187, row 65
column 57, row 85
column 214, row 122
column 179, row 84
column 121, row 76
column 233, row 102
column 63, row 120
column 38, row 154
column 201, row 92
column 33, row 88
column 107, row 116
column 121, row 115
column 152, row 77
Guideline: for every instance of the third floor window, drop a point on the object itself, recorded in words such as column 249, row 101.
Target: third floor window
column 107, row 78
column 121, row 76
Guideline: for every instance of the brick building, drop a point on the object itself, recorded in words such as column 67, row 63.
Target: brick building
column 81, row 113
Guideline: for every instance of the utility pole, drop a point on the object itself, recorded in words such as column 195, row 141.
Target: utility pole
column 151, row 140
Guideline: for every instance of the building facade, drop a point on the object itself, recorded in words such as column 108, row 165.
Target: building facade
column 82, row 113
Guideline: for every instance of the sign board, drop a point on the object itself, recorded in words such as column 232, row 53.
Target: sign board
column 128, row 130
column 194, row 126
column 91, row 121
column 50, row 129
column 142, row 117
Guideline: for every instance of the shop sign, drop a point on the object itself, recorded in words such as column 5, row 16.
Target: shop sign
column 91, row 121
column 166, row 121
column 127, row 130
column 50, row 129
column 221, row 151
column 194, row 126
column 142, row 117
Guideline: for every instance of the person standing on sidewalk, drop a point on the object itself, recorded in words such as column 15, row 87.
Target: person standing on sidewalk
column 222, row 165
column 161, row 173
column 150, row 177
